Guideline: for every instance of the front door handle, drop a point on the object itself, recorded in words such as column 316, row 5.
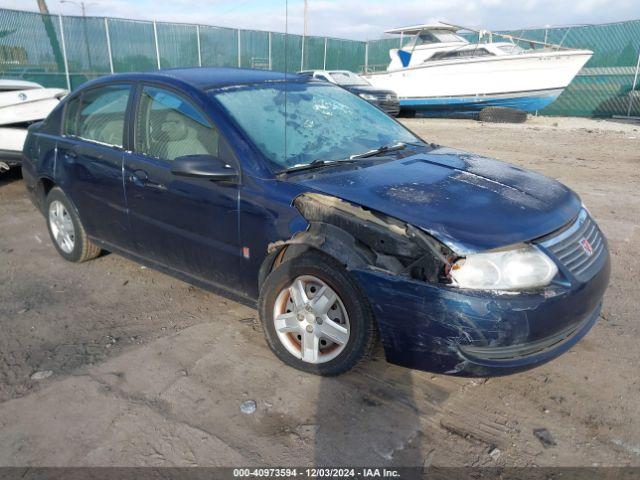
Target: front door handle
column 141, row 178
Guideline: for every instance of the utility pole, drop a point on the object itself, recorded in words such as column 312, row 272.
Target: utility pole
column 51, row 33
column 83, row 6
column 42, row 6
column 306, row 15
column 83, row 9
column 304, row 33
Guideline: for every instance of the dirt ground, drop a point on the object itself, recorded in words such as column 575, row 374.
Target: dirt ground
column 142, row 369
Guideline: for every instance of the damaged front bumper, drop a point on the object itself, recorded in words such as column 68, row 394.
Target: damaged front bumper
column 444, row 329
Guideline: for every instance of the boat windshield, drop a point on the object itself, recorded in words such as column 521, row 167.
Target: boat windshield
column 293, row 124
column 348, row 78
column 438, row 36
column 511, row 49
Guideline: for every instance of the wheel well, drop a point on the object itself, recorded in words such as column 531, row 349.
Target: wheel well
column 280, row 255
column 43, row 188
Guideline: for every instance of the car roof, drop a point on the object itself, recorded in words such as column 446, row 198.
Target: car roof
column 206, row 78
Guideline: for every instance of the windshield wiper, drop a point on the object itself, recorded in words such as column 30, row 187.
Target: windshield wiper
column 319, row 163
column 379, row 151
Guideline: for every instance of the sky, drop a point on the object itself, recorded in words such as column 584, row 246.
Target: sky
column 356, row 19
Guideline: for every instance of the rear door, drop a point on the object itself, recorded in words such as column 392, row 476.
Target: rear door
column 90, row 155
column 188, row 224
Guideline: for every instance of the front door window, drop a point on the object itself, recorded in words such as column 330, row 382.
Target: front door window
column 170, row 127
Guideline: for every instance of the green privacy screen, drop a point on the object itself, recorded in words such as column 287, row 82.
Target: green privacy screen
column 86, row 48
column 314, row 48
column 219, row 47
column 177, row 45
column 603, row 86
column 254, row 49
column 66, row 51
column 31, row 48
column 132, row 45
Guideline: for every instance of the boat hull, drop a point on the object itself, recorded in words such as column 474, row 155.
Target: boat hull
column 22, row 106
column 527, row 82
column 526, row 101
column 11, row 143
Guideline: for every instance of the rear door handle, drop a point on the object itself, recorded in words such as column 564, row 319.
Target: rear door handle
column 71, row 154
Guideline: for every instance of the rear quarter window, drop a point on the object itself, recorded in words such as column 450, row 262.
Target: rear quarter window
column 71, row 117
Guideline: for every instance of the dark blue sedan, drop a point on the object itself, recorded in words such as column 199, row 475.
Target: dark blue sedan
column 340, row 222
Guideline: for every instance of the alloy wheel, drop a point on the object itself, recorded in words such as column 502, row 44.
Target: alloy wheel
column 62, row 227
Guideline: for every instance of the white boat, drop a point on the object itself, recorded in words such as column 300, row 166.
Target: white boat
column 438, row 70
column 22, row 103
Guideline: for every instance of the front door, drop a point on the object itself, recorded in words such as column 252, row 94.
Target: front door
column 187, row 224
column 90, row 154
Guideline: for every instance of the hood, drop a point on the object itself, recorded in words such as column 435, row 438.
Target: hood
column 468, row 202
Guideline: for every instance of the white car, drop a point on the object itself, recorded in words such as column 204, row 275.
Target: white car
column 385, row 100
column 21, row 104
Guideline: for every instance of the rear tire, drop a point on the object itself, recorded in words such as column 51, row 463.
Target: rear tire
column 502, row 115
column 288, row 324
column 66, row 230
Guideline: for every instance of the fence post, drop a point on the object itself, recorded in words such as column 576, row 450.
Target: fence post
column 199, row 46
column 270, row 61
column 155, row 39
column 239, row 51
column 302, row 54
column 324, row 61
column 106, row 31
column 64, row 54
column 366, row 56
column 635, row 83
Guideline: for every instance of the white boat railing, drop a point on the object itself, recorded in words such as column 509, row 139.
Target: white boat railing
column 507, row 36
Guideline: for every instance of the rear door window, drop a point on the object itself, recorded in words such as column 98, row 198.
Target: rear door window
column 100, row 116
column 168, row 126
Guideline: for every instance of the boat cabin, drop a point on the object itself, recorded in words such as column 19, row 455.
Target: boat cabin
column 441, row 43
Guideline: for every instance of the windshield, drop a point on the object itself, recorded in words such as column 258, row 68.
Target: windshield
column 436, row 36
column 348, row 78
column 323, row 122
column 449, row 37
column 512, row 49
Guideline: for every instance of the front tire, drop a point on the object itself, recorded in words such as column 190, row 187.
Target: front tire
column 314, row 316
column 406, row 113
column 66, row 230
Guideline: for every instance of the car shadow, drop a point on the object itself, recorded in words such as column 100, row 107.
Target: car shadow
column 368, row 418
column 13, row 175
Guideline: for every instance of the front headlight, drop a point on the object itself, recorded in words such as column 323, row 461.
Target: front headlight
column 368, row 97
column 519, row 269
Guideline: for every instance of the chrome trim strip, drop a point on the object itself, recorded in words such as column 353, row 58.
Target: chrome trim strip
column 582, row 216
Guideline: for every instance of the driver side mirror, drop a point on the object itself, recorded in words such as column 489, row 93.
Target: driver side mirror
column 204, row 166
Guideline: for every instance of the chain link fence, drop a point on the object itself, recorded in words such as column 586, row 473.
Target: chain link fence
column 65, row 51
